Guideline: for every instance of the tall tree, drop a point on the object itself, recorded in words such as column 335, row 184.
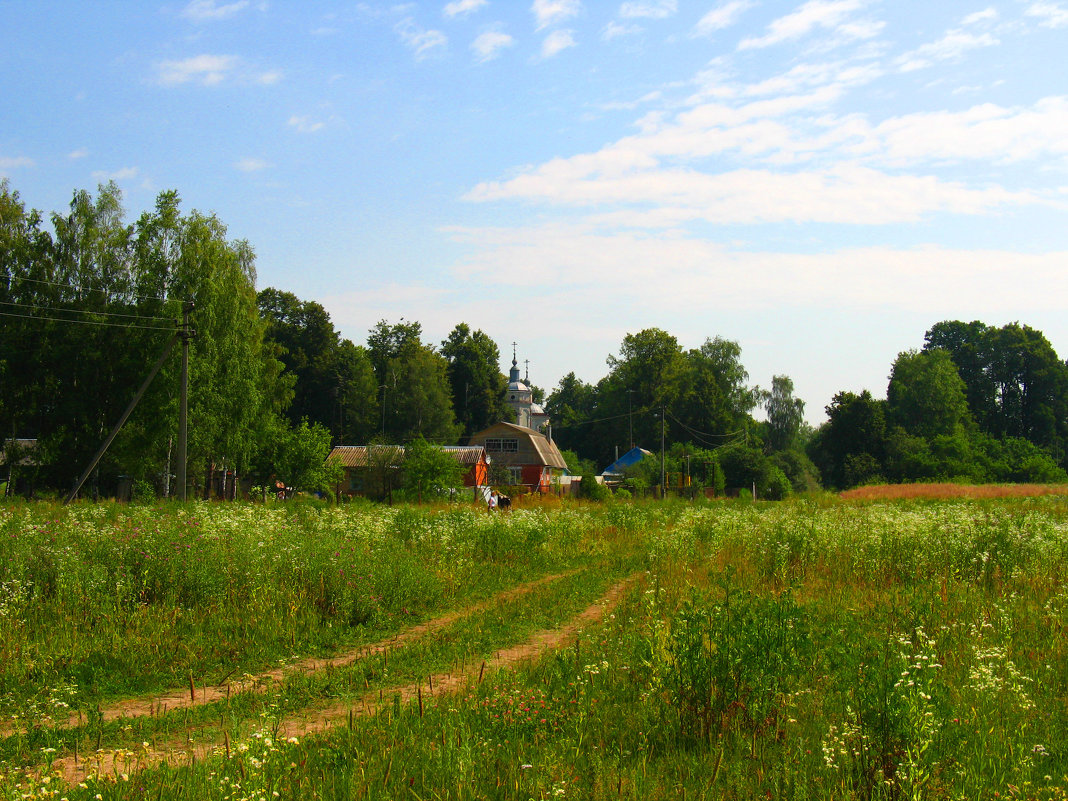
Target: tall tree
column 715, row 400
column 475, row 378
column 1015, row 383
column 413, row 380
column 785, row 414
column 926, row 395
column 850, row 448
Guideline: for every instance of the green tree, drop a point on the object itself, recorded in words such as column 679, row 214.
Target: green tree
column 785, row 414
column 429, row 471
column 714, row 398
column 1015, row 383
column 850, row 448
column 926, row 395
column 475, row 379
column 570, row 407
column 413, row 380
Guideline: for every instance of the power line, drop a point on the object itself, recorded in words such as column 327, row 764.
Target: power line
column 695, row 432
column 76, row 288
column 87, row 311
column 86, row 322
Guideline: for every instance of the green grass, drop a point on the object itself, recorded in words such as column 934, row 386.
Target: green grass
column 800, row 650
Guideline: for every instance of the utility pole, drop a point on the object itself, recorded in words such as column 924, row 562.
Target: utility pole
column 630, row 416
column 663, row 470
column 187, row 334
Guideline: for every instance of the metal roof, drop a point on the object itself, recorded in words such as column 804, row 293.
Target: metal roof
column 393, row 455
column 548, row 454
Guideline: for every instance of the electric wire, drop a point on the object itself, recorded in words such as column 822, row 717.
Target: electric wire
column 86, row 322
column 87, row 311
column 75, row 288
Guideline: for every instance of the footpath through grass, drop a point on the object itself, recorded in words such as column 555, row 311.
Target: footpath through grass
column 799, row 650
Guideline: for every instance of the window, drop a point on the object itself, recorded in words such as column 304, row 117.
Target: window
column 517, row 475
column 502, row 445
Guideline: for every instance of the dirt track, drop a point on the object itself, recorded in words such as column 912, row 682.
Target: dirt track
column 115, row 763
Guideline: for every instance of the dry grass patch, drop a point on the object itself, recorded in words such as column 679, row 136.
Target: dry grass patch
column 946, row 490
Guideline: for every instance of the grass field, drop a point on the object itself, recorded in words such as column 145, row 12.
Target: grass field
column 824, row 648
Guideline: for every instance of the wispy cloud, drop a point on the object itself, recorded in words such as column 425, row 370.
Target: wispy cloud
column 305, row 124
column 488, row 46
column 462, row 8
column 123, row 174
column 212, row 70
column 211, row 10
column 722, row 16
column 15, row 162
column 650, row 9
column 551, row 12
column 950, row 47
column 827, row 14
column 251, row 165
column 986, row 15
column 613, row 30
column 556, row 42
column 1053, row 15
column 204, row 69
column 620, row 265
column 423, row 42
column 80, row 153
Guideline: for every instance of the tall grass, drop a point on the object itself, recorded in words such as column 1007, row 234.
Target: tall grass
column 800, row 650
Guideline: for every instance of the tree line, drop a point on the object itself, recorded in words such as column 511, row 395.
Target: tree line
column 89, row 300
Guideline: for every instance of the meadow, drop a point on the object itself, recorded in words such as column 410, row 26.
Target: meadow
column 821, row 648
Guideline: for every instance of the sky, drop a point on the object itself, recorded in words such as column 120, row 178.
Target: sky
column 820, row 181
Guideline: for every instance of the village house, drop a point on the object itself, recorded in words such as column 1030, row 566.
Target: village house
column 532, row 459
column 371, row 470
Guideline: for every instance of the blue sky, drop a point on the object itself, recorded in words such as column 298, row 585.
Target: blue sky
column 820, row 181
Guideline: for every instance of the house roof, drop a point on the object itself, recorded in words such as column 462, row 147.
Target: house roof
column 393, row 455
column 548, row 454
column 367, row 455
column 466, row 454
column 631, row 457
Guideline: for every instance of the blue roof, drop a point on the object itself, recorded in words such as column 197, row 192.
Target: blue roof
column 631, row 457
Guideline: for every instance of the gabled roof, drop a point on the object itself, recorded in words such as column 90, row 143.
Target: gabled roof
column 393, row 455
column 548, row 454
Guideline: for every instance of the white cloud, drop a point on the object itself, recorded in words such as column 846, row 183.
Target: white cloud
column 15, row 162
column 1053, row 15
column 986, row 15
column 950, row 47
column 305, row 124
column 123, row 174
column 422, row 42
column 846, row 194
column 651, row 9
column 488, row 46
column 210, row 10
column 463, row 7
column 983, row 133
column 555, row 42
column 550, row 12
column 209, row 70
column 613, row 30
column 623, row 265
column 723, row 16
column 251, row 165
column 829, row 14
column 80, row 153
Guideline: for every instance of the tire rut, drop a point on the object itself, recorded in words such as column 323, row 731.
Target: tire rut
column 316, row 720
